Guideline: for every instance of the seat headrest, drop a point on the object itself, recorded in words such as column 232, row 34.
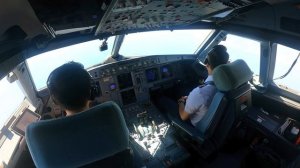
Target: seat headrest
column 231, row 76
column 80, row 139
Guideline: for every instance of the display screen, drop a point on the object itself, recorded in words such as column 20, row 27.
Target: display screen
column 113, row 86
column 24, row 120
column 152, row 74
column 128, row 97
column 99, row 88
column 166, row 71
column 125, row 81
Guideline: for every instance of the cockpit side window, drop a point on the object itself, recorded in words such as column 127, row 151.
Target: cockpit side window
column 243, row 48
column 11, row 96
column 287, row 68
column 11, row 99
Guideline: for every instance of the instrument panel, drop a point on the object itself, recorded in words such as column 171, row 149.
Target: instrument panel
column 129, row 81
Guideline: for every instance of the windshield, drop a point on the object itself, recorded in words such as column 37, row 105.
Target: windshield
column 136, row 44
column 163, row 42
column 86, row 53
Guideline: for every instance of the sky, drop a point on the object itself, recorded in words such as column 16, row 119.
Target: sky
column 164, row 42
column 11, row 96
column 284, row 59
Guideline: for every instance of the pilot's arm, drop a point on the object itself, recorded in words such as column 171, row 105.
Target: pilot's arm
column 191, row 104
column 181, row 103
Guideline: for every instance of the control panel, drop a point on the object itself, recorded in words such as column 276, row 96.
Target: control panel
column 129, row 81
column 152, row 136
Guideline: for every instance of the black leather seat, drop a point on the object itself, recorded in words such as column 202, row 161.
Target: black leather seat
column 228, row 105
column 97, row 137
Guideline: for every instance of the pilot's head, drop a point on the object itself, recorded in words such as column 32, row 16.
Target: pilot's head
column 215, row 57
column 70, row 87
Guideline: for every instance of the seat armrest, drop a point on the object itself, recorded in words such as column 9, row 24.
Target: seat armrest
column 189, row 129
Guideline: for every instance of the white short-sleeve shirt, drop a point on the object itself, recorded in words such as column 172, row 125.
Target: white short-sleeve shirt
column 198, row 101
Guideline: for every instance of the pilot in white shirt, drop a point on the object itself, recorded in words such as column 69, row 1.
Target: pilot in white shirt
column 199, row 99
column 194, row 106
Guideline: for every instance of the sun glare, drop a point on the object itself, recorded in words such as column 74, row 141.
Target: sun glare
column 150, row 137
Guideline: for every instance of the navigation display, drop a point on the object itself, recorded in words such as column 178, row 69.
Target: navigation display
column 125, row 81
column 166, row 71
column 152, row 74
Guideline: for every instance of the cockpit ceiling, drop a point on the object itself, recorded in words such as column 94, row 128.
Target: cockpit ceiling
column 72, row 15
column 157, row 14
column 122, row 15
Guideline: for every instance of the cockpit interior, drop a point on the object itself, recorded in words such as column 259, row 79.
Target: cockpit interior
column 137, row 52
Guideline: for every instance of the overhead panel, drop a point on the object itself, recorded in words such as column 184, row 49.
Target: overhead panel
column 147, row 14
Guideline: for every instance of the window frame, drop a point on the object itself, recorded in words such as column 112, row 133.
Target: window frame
column 260, row 48
column 272, row 87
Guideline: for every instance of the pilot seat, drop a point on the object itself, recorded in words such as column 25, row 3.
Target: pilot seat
column 97, row 137
column 228, row 105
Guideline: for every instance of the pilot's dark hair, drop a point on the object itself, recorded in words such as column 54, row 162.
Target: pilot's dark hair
column 70, row 86
column 217, row 56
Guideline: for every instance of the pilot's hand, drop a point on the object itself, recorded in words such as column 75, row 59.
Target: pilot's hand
column 182, row 100
column 184, row 97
